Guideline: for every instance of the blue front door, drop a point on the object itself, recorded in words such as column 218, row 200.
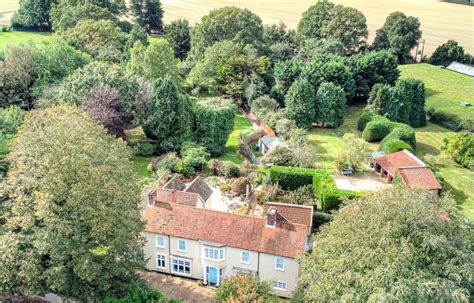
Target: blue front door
column 212, row 275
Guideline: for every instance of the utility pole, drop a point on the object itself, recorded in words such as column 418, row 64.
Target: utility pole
column 420, row 52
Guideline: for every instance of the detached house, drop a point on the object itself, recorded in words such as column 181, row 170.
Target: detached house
column 210, row 245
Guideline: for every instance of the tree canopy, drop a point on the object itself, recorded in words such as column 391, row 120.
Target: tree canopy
column 167, row 116
column 154, row 61
column 300, row 103
column 67, row 187
column 102, row 39
column 33, row 14
column 228, row 23
column 312, row 20
column 447, row 52
column 178, row 34
column 395, row 245
column 148, row 14
column 399, row 35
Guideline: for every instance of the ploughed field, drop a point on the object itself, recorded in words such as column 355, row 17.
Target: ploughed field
column 440, row 21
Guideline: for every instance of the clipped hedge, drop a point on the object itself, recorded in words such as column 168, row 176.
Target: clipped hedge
column 395, row 136
column 375, row 131
column 325, row 189
column 328, row 194
column 291, row 178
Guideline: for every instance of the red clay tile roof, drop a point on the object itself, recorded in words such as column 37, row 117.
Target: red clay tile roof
column 422, row 178
column 298, row 214
column 166, row 195
column 403, row 158
column 234, row 230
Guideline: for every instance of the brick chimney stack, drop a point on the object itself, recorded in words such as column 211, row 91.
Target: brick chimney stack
column 173, row 191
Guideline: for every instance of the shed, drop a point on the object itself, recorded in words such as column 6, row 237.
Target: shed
column 265, row 143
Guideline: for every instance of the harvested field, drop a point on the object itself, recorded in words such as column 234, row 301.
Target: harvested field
column 440, row 21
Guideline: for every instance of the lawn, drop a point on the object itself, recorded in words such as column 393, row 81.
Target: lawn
column 444, row 88
column 240, row 124
column 140, row 164
column 458, row 180
column 327, row 142
column 21, row 38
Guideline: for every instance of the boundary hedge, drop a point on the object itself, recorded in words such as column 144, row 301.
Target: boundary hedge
column 394, row 136
column 325, row 189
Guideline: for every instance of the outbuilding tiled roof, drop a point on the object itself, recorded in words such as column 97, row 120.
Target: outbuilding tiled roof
column 168, row 196
column 391, row 163
column 299, row 214
column 422, row 178
column 179, row 184
column 200, row 187
column 244, row 232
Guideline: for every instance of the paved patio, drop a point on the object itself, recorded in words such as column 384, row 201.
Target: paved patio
column 367, row 181
column 187, row 290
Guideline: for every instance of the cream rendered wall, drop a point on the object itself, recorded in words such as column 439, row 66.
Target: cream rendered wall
column 263, row 264
column 268, row 272
column 150, row 251
column 233, row 259
column 193, row 252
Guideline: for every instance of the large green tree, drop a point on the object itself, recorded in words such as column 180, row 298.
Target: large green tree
column 67, row 187
column 167, row 116
column 228, row 23
column 234, row 74
column 372, row 68
column 447, row 52
column 154, row 61
column 381, row 98
column 102, row 39
column 300, row 103
column 74, row 88
column 312, row 20
column 397, row 245
column 33, row 14
column 178, row 35
column 116, row 7
column 47, row 54
column 148, row 14
column 203, row 74
column 65, row 15
column 330, row 69
column 399, row 35
column 330, row 105
column 410, row 97
column 347, row 25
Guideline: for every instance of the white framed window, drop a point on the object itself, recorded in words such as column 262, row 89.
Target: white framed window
column 278, row 285
column 181, row 245
column 280, row 264
column 181, row 266
column 159, row 241
column 245, row 257
column 214, row 254
column 160, row 261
